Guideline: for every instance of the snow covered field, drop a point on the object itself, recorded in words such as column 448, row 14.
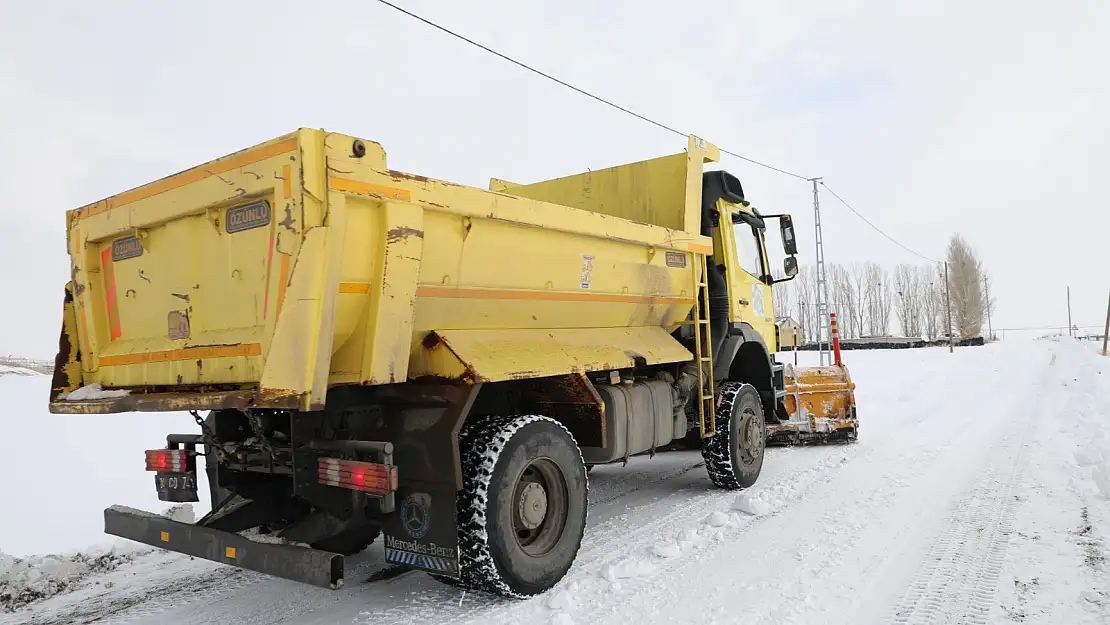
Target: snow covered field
column 979, row 492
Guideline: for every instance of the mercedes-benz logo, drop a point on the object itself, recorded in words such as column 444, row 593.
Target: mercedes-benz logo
column 416, row 515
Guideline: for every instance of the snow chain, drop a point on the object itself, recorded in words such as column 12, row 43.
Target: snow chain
column 209, row 435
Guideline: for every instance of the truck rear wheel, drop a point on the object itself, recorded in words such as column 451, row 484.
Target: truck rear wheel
column 522, row 509
column 734, row 455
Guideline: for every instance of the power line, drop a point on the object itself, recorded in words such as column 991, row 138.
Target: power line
column 628, row 111
column 876, row 228
column 576, row 89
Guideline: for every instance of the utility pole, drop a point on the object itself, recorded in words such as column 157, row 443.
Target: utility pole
column 987, row 295
column 948, row 305
column 1069, row 311
column 823, row 327
column 1106, row 329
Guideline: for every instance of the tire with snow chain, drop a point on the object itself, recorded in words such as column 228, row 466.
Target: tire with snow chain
column 522, row 508
column 734, row 455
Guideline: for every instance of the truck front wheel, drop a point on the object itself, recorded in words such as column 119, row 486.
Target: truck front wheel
column 522, row 509
column 734, row 455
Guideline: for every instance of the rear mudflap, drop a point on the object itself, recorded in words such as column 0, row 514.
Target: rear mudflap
column 301, row 564
column 422, row 532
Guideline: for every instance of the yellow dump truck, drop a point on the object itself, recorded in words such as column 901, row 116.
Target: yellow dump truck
column 385, row 354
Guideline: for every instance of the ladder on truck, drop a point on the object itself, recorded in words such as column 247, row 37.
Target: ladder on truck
column 703, row 351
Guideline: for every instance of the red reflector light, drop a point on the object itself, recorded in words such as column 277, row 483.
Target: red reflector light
column 167, row 460
column 371, row 477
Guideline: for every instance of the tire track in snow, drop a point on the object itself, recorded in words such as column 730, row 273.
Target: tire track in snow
column 228, row 595
column 658, row 491
column 605, row 547
column 835, row 550
column 959, row 577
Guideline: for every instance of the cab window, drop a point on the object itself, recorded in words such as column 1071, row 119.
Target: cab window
column 747, row 250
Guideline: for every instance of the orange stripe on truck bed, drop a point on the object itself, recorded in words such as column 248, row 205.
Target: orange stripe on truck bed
column 558, row 296
column 189, row 353
column 190, row 176
column 354, row 287
column 366, row 188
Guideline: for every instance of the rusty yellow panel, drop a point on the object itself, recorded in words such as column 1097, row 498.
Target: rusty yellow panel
column 651, row 191
column 303, row 262
column 437, row 195
column 67, row 369
column 289, row 367
column 166, row 270
column 663, row 191
column 342, row 155
column 487, row 274
column 698, row 153
column 392, row 307
column 818, row 393
column 335, row 228
column 361, row 267
column 498, row 355
column 437, row 360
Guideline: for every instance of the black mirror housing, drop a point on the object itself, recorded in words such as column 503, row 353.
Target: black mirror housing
column 789, row 243
column 790, row 266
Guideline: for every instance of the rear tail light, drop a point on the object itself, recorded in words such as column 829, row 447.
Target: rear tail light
column 167, row 460
column 379, row 479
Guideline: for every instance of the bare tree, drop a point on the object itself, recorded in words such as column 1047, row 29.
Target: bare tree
column 805, row 290
column 781, row 293
column 911, row 285
column 876, row 299
column 965, row 282
column 844, row 302
column 885, row 304
column 935, row 315
column 865, row 295
column 857, row 293
column 988, row 299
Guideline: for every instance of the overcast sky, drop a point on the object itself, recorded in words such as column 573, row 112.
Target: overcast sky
column 988, row 118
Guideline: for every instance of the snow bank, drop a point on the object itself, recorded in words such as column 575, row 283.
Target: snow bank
column 9, row 370
column 72, row 467
column 26, row 580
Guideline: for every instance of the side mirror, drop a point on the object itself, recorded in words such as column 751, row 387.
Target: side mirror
column 790, row 266
column 789, row 243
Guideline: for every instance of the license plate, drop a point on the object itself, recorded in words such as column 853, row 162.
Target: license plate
column 176, row 487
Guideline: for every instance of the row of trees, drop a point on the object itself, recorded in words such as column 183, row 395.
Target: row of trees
column 867, row 296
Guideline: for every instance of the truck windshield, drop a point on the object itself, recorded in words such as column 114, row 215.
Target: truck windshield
column 747, row 249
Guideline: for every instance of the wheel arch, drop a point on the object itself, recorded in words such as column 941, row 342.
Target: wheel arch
column 569, row 399
column 749, row 362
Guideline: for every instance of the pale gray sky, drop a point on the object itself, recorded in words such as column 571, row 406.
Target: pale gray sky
column 983, row 117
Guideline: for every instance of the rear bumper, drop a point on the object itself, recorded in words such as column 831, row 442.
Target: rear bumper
column 301, row 564
column 173, row 402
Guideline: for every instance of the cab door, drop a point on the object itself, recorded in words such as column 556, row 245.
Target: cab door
column 746, row 272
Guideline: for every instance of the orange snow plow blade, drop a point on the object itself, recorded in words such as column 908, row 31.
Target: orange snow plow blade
column 821, row 404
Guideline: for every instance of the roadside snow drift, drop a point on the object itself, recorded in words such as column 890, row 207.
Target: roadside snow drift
column 977, row 493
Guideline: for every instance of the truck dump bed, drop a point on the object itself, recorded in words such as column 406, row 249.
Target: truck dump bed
column 264, row 277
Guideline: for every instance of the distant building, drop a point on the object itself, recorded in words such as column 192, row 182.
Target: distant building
column 790, row 333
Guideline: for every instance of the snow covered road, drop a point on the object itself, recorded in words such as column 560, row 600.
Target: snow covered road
column 973, row 496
